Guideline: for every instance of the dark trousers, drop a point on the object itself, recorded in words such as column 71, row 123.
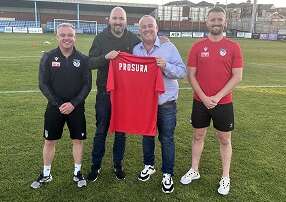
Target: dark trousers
column 103, row 114
column 166, row 123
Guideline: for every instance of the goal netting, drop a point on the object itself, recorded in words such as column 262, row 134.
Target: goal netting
column 81, row 26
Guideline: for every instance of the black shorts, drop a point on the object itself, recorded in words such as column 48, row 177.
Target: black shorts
column 55, row 121
column 222, row 116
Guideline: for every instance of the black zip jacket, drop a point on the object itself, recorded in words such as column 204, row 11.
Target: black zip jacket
column 64, row 79
column 103, row 44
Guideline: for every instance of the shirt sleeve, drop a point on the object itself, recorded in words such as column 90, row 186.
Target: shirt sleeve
column 96, row 56
column 192, row 57
column 160, row 88
column 237, row 60
column 175, row 67
column 110, row 80
column 44, row 82
column 86, row 86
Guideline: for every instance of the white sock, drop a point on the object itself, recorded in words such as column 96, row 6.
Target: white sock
column 77, row 168
column 47, row 170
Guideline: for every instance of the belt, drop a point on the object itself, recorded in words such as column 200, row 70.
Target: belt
column 168, row 103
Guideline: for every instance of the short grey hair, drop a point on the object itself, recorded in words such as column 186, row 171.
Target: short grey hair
column 65, row 24
column 147, row 16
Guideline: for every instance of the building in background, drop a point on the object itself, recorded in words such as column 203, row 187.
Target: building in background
column 187, row 16
column 175, row 16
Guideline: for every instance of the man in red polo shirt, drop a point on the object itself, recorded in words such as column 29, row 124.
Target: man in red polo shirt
column 215, row 68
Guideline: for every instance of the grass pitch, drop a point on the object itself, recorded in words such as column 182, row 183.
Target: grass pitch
column 259, row 149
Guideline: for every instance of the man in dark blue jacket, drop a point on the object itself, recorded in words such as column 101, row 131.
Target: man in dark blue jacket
column 65, row 80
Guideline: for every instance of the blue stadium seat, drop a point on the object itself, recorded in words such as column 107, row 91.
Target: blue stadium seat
column 19, row 23
column 90, row 28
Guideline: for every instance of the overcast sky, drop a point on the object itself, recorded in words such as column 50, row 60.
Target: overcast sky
column 277, row 3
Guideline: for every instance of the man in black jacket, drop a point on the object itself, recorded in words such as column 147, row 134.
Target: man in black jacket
column 104, row 48
column 65, row 80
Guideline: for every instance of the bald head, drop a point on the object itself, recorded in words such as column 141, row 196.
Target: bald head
column 117, row 21
column 117, row 10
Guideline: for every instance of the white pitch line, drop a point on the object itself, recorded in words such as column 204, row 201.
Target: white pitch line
column 188, row 88
column 19, row 91
column 23, row 91
column 280, row 65
column 280, row 86
column 19, row 57
column 93, row 90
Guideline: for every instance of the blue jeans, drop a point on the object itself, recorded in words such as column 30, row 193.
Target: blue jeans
column 103, row 114
column 166, row 123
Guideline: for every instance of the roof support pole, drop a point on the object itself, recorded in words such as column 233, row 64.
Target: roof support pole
column 36, row 12
column 77, row 15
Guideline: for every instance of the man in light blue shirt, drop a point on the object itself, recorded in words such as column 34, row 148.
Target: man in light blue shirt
column 173, row 68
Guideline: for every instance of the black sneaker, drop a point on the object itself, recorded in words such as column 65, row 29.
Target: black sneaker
column 92, row 176
column 119, row 173
column 167, row 183
column 79, row 179
column 41, row 180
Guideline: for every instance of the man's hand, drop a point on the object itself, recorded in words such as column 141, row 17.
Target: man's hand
column 111, row 55
column 161, row 63
column 215, row 98
column 66, row 108
column 209, row 102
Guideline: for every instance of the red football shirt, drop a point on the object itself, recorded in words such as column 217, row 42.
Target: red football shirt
column 214, row 62
column 134, row 84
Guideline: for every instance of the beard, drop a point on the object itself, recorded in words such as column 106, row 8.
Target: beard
column 216, row 30
column 118, row 29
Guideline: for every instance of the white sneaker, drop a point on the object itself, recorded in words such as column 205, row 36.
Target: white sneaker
column 224, row 186
column 79, row 179
column 190, row 176
column 41, row 180
column 167, row 183
column 146, row 173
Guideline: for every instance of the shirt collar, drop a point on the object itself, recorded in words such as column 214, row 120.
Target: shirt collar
column 156, row 44
column 61, row 54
